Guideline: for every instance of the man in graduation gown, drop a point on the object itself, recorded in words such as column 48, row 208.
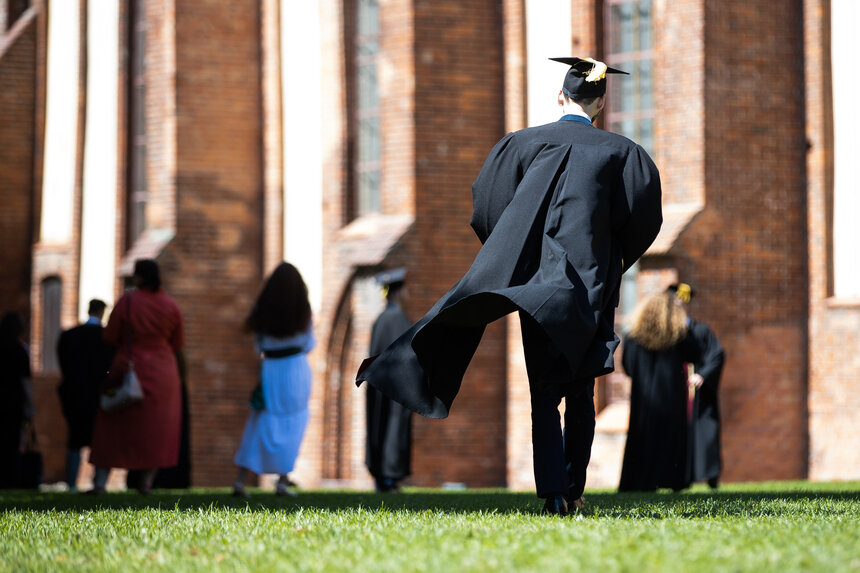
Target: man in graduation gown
column 562, row 210
column 389, row 428
column 84, row 361
column 705, row 462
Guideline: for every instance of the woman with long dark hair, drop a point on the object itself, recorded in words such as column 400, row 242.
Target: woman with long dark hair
column 283, row 335
column 147, row 329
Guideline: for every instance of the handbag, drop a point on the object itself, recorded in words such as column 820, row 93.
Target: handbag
column 129, row 391
column 31, row 463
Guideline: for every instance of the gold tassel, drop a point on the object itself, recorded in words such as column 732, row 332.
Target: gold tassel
column 598, row 71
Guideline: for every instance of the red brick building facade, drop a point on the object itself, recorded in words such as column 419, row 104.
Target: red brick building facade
column 345, row 136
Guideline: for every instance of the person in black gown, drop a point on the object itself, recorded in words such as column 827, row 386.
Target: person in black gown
column 16, row 398
column 705, row 462
column 654, row 356
column 562, row 210
column 389, row 425
column 84, row 361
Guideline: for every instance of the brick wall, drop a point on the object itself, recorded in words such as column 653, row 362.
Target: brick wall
column 17, row 140
column 745, row 253
column 459, row 117
column 213, row 266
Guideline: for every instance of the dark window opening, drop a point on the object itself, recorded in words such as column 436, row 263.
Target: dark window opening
column 368, row 142
column 52, row 304
column 138, row 194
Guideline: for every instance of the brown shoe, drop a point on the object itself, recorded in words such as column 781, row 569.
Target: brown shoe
column 578, row 504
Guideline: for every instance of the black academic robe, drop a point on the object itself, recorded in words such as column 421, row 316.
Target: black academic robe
column 656, row 452
column 84, row 361
column 389, row 428
column 562, row 210
column 14, row 369
column 705, row 460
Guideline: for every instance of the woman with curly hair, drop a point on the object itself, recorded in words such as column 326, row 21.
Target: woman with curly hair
column 283, row 335
column 656, row 350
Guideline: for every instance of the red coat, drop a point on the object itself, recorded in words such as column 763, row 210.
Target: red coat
column 145, row 435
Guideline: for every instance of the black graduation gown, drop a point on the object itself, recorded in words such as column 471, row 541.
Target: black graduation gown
column 562, row 210
column 14, row 368
column 389, row 428
column 84, row 361
column 655, row 455
column 705, row 426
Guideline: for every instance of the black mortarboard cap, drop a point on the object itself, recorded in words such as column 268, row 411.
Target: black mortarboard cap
column 391, row 276
column 586, row 77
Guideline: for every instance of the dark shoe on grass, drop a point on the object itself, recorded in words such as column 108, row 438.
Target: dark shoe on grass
column 240, row 491
column 555, row 505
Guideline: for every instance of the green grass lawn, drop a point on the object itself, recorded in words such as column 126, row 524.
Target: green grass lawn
column 794, row 526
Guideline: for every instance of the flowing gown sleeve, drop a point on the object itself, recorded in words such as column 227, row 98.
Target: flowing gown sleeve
column 712, row 357
column 495, row 186
column 639, row 209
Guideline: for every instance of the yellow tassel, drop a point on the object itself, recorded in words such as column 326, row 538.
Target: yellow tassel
column 684, row 292
column 598, row 71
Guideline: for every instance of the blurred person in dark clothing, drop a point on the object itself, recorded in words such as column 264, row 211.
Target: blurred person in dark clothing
column 705, row 462
column 669, row 358
column 389, row 425
column 16, row 397
column 84, row 361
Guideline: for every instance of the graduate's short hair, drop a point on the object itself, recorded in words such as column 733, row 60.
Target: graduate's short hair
column 96, row 307
column 583, row 101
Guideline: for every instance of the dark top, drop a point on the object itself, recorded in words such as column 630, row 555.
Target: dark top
column 562, row 210
column 84, row 361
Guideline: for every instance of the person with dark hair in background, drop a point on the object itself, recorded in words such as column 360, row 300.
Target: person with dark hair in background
column 562, row 210
column 703, row 410
column 147, row 329
column 389, row 425
column 16, row 398
column 84, row 361
column 283, row 335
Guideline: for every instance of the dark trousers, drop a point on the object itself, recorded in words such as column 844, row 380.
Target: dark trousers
column 560, row 458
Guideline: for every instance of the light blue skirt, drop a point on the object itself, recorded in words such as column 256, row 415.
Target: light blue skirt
column 270, row 444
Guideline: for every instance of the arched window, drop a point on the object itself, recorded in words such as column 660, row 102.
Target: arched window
column 52, row 304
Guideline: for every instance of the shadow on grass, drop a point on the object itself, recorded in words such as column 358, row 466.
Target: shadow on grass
column 690, row 504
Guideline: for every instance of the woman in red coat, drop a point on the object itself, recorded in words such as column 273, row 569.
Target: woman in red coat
column 145, row 327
